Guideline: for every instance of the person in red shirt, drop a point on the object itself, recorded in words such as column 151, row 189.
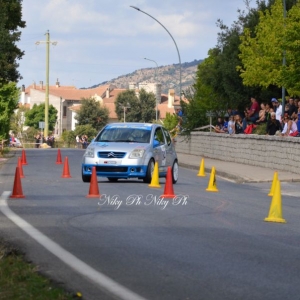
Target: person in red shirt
column 251, row 114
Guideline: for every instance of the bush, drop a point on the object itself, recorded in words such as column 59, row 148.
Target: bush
column 260, row 129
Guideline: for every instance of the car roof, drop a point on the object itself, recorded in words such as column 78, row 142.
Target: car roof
column 133, row 125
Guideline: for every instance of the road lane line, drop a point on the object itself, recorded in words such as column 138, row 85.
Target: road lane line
column 78, row 265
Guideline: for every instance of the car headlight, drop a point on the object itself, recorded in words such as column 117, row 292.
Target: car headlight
column 137, row 153
column 89, row 152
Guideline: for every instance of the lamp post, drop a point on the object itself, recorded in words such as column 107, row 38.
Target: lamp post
column 155, row 76
column 47, row 42
column 124, row 110
column 283, row 64
column 173, row 41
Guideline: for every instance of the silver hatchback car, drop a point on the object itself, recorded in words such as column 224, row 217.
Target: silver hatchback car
column 130, row 150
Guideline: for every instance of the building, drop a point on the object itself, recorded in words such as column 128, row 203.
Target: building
column 67, row 100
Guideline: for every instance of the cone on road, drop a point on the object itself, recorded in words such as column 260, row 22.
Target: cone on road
column 58, row 158
column 20, row 167
column 66, row 170
column 17, row 189
column 212, row 185
column 169, row 192
column 201, row 172
column 155, row 177
column 275, row 212
column 94, row 189
column 24, row 160
column 275, row 178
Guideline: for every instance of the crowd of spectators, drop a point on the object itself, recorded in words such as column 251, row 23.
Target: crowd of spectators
column 270, row 114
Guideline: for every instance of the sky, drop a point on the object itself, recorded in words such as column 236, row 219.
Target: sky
column 99, row 40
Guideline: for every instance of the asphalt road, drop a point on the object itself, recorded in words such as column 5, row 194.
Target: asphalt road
column 207, row 245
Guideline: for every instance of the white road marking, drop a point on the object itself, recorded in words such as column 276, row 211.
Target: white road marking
column 78, row 265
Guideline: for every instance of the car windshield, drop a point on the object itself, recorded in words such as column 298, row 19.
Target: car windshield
column 124, row 134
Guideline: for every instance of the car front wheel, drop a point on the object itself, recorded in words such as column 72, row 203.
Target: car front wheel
column 175, row 171
column 150, row 170
column 86, row 178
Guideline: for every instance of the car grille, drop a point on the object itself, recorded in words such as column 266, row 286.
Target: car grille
column 111, row 169
column 111, row 154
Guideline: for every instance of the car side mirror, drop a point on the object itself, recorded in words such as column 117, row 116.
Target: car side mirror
column 155, row 143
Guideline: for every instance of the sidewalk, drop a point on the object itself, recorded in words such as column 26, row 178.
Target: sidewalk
column 234, row 171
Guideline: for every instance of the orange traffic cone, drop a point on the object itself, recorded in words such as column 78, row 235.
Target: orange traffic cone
column 17, row 189
column 58, row 159
column 94, row 189
column 20, row 167
column 24, row 161
column 169, row 192
column 66, row 171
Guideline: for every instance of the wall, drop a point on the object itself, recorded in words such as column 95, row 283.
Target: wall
column 279, row 153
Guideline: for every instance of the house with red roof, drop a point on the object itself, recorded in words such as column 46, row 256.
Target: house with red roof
column 67, row 100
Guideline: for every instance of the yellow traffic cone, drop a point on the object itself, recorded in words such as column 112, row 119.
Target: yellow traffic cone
column 202, row 169
column 275, row 212
column 155, row 177
column 212, row 187
column 275, row 178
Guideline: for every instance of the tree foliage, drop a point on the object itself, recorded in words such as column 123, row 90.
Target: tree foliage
column 37, row 114
column 10, row 22
column 87, row 129
column 137, row 109
column 17, row 120
column 262, row 53
column 9, row 96
column 91, row 112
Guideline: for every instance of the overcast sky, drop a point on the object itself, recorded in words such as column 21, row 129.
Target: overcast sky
column 98, row 40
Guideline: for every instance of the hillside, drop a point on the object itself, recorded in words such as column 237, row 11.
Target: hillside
column 168, row 76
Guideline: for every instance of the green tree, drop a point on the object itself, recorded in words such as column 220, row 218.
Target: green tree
column 17, row 119
column 142, row 108
column 91, row 112
column 9, row 96
column 10, row 22
column 37, row 114
column 262, row 52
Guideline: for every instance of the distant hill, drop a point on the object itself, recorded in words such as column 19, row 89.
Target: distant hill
column 168, row 76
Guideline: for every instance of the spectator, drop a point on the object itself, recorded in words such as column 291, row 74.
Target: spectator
column 220, row 122
column 277, row 108
column 268, row 110
column 273, row 125
column 218, row 129
column 262, row 114
column 251, row 114
column 291, row 127
column 78, row 142
column 238, row 126
column 225, row 124
column 231, row 125
column 292, row 111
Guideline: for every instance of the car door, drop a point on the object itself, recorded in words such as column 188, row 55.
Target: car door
column 159, row 150
column 170, row 150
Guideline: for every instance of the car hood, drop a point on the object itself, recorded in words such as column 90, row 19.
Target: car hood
column 120, row 146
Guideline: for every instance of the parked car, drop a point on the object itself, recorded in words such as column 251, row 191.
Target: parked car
column 130, row 150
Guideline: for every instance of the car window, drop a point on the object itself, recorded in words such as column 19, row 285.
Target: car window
column 167, row 135
column 124, row 134
column 159, row 136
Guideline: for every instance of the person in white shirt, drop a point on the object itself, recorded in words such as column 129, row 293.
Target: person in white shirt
column 278, row 108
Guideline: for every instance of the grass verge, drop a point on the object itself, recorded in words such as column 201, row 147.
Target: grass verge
column 21, row 280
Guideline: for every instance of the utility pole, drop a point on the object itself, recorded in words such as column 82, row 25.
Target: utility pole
column 47, row 42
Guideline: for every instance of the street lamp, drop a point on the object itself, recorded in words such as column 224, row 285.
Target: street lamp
column 173, row 41
column 124, row 110
column 47, row 42
column 155, row 82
